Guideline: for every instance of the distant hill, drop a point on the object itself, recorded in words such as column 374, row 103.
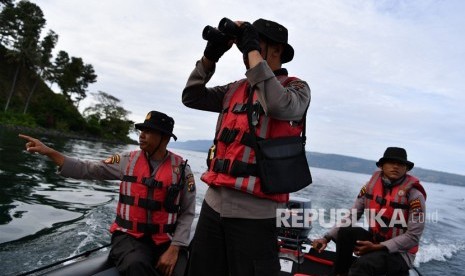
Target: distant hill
column 342, row 163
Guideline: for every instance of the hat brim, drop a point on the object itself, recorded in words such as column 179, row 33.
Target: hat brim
column 150, row 126
column 288, row 54
column 406, row 162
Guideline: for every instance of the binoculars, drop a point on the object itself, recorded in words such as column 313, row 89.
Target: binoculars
column 227, row 29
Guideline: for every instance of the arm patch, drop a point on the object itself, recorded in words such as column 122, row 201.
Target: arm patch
column 112, row 159
column 298, row 84
column 363, row 191
column 190, row 183
column 415, row 205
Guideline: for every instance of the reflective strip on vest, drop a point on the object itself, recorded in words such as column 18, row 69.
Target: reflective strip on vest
column 126, row 186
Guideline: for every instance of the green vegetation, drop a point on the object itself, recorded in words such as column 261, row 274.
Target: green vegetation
column 28, row 70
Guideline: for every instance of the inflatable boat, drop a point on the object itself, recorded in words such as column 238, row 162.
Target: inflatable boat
column 297, row 256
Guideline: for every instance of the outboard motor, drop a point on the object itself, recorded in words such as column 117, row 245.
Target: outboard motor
column 294, row 226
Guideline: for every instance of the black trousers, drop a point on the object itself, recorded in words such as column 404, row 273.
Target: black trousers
column 233, row 246
column 133, row 256
column 373, row 263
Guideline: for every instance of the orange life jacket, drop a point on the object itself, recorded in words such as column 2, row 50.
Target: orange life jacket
column 394, row 205
column 140, row 207
column 234, row 163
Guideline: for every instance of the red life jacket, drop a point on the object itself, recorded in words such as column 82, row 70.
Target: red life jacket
column 140, row 207
column 234, row 164
column 394, row 205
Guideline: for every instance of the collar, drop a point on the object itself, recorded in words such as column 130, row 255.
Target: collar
column 389, row 184
column 280, row 72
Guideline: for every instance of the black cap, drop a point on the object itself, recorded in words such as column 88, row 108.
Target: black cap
column 158, row 121
column 277, row 33
column 395, row 154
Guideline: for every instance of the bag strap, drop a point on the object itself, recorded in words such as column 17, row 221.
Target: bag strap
column 252, row 127
column 304, row 128
column 249, row 118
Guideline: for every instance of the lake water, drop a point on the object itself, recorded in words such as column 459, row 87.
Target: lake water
column 45, row 218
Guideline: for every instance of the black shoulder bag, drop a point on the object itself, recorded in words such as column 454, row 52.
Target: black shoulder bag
column 281, row 162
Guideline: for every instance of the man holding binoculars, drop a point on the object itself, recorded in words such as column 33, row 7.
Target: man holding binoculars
column 236, row 232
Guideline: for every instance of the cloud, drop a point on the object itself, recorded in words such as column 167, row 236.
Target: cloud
column 382, row 73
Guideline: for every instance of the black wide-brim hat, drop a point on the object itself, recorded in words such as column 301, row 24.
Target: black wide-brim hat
column 277, row 33
column 395, row 154
column 158, row 121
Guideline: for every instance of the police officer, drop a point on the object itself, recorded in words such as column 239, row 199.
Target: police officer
column 394, row 204
column 236, row 232
column 156, row 204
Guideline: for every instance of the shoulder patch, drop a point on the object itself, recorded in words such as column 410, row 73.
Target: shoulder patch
column 415, row 205
column 298, row 84
column 363, row 191
column 190, row 183
column 113, row 159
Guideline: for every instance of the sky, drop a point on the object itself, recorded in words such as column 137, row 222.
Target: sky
column 382, row 73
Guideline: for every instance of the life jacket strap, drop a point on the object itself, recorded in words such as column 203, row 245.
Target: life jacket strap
column 399, row 205
column 241, row 169
column 227, row 135
column 243, row 107
column 237, row 169
column 147, row 181
column 148, row 204
column 148, row 228
column 248, row 139
column 381, row 201
column 221, row 165
column 239, row 108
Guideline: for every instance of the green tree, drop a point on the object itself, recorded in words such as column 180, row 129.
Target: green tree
column 23, row 30
column 84, row 75
column 7, row 17
column 43, row 63
column 58, row 67
column 72, row 75
column 109, row 116
column 6, row 2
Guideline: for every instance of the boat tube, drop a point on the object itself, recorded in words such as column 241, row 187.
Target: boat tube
column 297, row 256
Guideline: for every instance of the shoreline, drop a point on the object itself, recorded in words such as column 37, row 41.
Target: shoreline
column 57, row 133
